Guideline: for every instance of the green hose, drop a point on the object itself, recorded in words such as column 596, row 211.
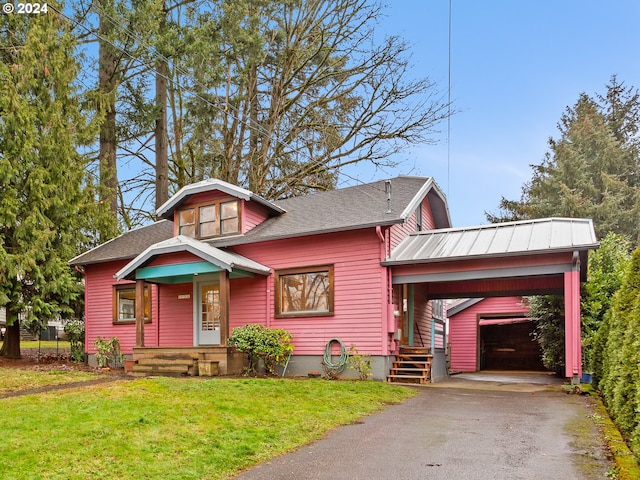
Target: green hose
column 342, row 361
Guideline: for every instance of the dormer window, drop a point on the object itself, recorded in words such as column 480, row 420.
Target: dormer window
column 209, row 220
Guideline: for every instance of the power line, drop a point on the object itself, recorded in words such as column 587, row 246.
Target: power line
column 449, row 104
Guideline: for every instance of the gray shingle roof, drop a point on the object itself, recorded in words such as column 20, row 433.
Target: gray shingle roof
column 348, row 208
column 344, row 209
column 128, row 245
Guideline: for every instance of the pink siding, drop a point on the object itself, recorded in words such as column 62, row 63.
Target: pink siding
column 359, row 308
column 400, row 231
column 207, row 196
column 99, row 284
column 428, row 223
column 253, row 214
column 176, row 315
column 463, row 329
column 359, row 311
column 171, row 258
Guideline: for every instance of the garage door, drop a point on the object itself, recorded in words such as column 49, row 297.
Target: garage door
column 509, row 347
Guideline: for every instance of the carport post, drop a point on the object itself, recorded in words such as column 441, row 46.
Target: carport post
column 573, row 350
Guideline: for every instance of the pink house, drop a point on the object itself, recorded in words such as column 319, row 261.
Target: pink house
column 341, row 264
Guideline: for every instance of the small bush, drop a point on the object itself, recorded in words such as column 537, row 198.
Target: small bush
column 359, row 363
column 74, row 330
column 108, row 352
column 273, row 346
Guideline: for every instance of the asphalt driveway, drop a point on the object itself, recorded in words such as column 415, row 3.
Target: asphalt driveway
column 480, row 426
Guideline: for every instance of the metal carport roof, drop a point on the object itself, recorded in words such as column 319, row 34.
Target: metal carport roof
column 527, row 237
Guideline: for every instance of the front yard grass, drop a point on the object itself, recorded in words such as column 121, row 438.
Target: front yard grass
column 48, row 344
column 176, row 428
column 13, row 379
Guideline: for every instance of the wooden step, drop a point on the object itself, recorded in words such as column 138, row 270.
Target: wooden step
column 169, row 369
column 411, row 366
column 412, row 356
column 166, row 361
column 419, row 379
column 415, row 350
column 422, row 371
column 421, row 361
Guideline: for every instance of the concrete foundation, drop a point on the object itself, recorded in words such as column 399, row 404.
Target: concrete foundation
column 302, row 365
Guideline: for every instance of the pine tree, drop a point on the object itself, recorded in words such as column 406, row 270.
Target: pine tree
column 592, row 170
column 46, row 196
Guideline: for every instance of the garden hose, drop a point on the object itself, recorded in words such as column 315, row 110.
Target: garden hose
column 342, row 361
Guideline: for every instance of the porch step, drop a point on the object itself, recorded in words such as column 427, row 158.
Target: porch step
column 177, row 367
column 186, row 361
column 412, row 365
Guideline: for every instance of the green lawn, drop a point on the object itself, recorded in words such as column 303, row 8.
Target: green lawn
column 13, row 379
column 62, row 345
column 175, row 428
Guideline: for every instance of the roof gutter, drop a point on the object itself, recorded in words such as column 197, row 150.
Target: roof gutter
column 573, row 250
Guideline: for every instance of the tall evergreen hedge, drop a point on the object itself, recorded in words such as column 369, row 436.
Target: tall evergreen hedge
column 620, row 383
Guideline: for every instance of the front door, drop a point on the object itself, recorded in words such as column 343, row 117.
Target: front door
column 209, row 315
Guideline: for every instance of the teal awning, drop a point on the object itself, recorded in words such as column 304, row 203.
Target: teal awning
column 211, row 260
column 182, row 272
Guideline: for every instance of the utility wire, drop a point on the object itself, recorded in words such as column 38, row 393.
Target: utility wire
column 449, row 105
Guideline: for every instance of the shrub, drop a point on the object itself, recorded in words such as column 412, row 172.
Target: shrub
column 273, row 346
column 359, row 363
column 108, row 352
column 74, row 330
column 548, row 314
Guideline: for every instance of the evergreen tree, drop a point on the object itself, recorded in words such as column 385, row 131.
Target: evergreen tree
column 46, row 196
column 547, row 312
column 607, row 268
column 592, row 170
column 620, row 383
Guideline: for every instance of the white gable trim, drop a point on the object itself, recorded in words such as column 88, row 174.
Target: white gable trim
column 181, row 243
column 212, row 184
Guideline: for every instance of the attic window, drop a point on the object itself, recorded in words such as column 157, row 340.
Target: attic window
column 210, row 219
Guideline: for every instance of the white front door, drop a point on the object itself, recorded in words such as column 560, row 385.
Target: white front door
column 208, row 329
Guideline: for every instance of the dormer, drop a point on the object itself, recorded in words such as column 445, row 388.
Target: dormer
column 213, row 208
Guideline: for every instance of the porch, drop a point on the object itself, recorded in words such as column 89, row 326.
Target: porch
column 203, row 361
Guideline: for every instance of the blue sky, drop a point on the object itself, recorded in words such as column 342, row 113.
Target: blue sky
column 516, row 65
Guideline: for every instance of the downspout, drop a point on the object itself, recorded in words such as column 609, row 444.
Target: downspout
column 267, row 303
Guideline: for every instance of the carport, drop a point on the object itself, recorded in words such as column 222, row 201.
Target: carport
column 532, row 257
